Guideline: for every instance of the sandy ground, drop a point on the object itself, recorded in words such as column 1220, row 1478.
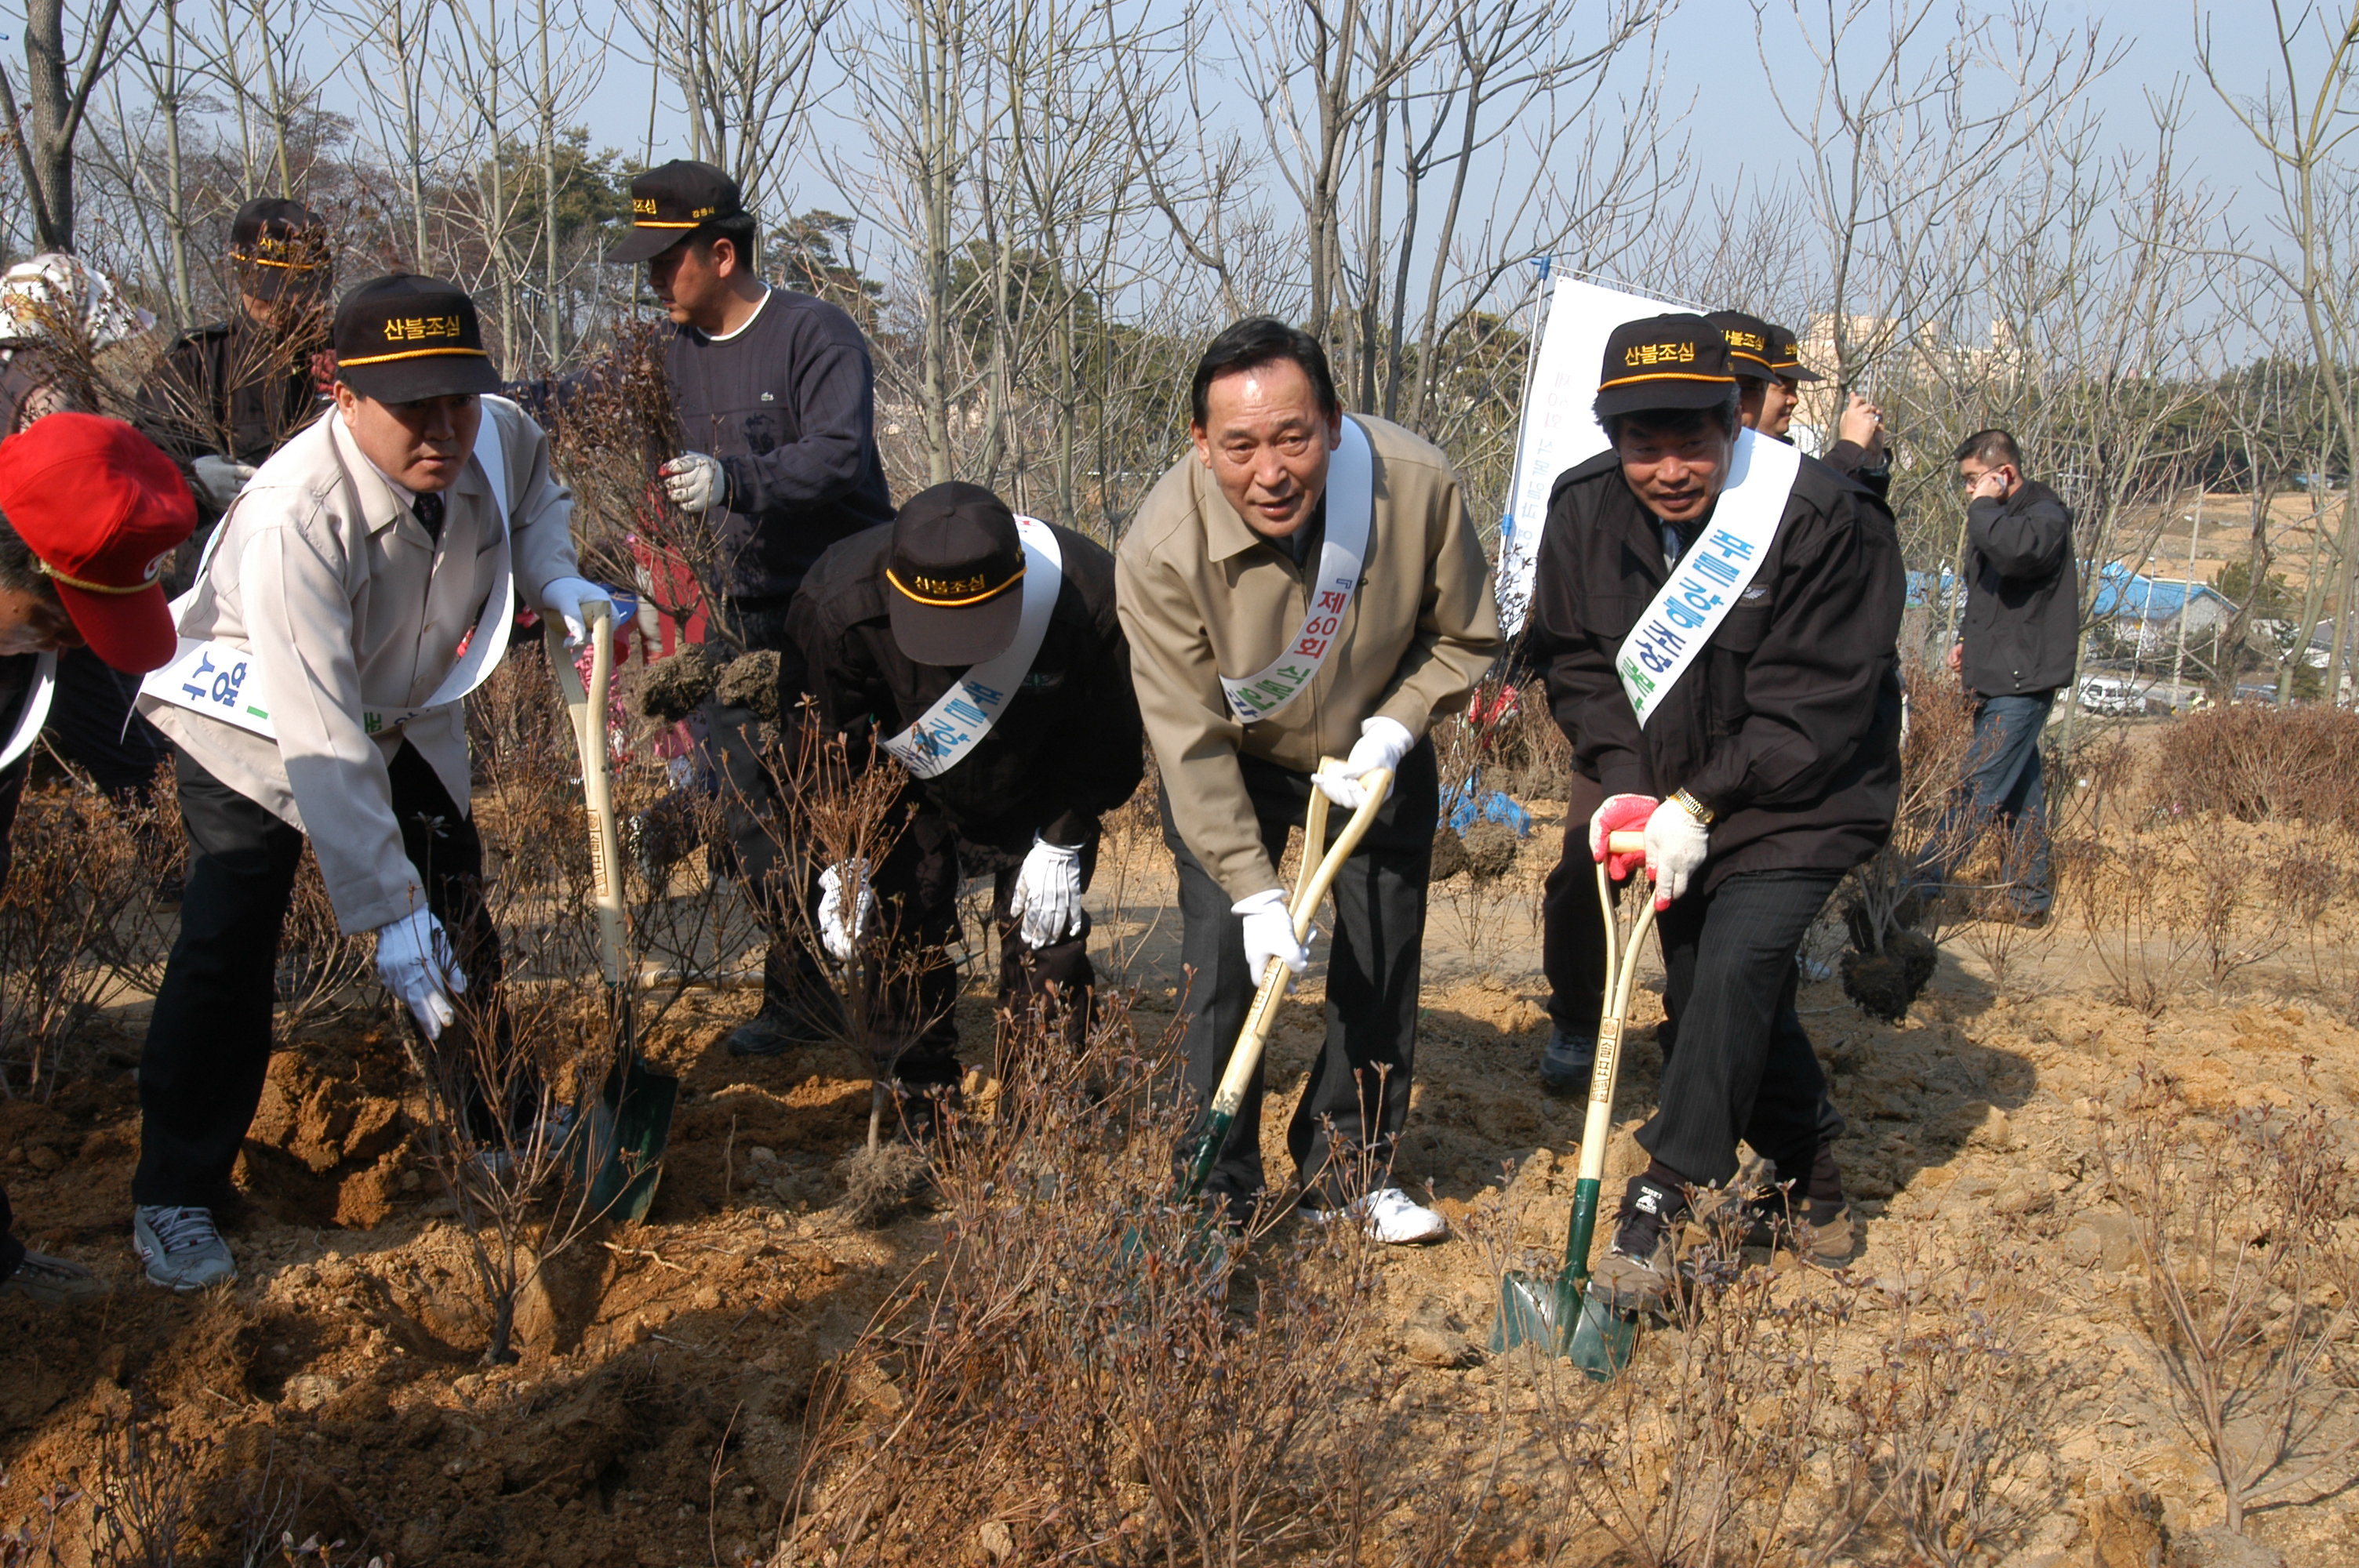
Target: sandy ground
column 335, row 1390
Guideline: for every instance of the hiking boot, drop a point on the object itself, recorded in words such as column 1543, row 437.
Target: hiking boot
column 53, row 1281
column 1815, row 1231
column 1567, row 1063
column 1390, row 1216
column 180, row 1246
column 1637, row 1274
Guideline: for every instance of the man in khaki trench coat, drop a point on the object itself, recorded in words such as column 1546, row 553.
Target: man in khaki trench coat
column 358, row 587
column 1302, row 585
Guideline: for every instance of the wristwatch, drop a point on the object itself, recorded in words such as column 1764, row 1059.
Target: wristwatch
column 1693, row 807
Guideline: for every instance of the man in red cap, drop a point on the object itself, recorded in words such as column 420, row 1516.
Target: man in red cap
column 91, row 514
column 358, row 589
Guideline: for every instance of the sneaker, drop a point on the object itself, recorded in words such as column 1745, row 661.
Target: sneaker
column 1567, row 1063
column 1390, row 1216
column 1822, row 1233
column 53, row 1281
column 180, row 1246
column 1635, row 1274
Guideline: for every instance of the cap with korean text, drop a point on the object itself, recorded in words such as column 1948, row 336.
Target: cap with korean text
column 672, row 201
column 280, row 247
column 1663, row 362
column 401, row 337
column 1787, row 357
column 1752, row 344
column 954, row 567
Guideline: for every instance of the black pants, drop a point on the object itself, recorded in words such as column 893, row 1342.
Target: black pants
column 92, row 725
column 1572, row 930
column 208, row 1040
column 12, row 1251
column 911, row 1024
column 1359, row 1090
column 1745, row 1068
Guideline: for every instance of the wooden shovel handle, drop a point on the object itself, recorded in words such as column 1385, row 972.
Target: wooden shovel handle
column 586, row 706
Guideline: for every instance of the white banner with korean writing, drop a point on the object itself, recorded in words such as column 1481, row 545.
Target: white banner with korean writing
column 962, row 716
column 1712, row 575
column 1351, row 515
column 1559, row 431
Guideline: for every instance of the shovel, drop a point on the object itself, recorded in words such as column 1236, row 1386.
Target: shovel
column 618, row 1152
column 1311, row 884
column 1555, row 1311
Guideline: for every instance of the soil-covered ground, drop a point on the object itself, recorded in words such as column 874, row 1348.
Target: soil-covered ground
column 660, row 1413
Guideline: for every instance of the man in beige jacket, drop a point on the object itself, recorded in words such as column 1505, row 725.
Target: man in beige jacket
column 360, row 585
column 1302, row 585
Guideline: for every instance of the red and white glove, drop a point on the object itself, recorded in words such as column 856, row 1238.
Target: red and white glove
column 1620, row 814
column 1676, row 847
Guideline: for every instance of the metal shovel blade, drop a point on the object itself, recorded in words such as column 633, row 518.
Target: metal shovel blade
column 628, row 1127
column 1534, row 1310
column 1603, row 1339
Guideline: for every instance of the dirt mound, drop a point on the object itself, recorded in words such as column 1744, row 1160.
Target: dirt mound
column 1885, row 984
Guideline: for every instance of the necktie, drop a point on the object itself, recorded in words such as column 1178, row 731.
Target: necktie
column 428, row 509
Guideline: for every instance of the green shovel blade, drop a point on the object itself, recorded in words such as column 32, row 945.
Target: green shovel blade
column 622, row 1155
column 1603, row 1339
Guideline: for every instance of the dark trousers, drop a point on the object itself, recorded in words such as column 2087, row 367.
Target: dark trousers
column 209, row 1039
column 92, row 722
column 12, row 1251
column 912, row 1028
column 1572, row 930
column 1359, row 1090
column 2004, row 783
column 1743, row 1067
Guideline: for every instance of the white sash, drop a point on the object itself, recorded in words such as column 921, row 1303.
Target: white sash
column 1709, row 579
column 1350, row 512
column 36, row 711
column 963, row 715
column 217, row 679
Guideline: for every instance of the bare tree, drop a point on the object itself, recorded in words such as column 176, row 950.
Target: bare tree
column 43, row 124
column 742, row 69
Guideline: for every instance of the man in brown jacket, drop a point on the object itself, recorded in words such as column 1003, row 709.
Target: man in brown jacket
column 359, row 587
column 1301, row 587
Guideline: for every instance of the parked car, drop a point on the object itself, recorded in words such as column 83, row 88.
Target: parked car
column 2105, row 694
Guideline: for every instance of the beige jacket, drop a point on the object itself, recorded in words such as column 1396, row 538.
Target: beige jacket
column 347, row 602
column 1202, row 595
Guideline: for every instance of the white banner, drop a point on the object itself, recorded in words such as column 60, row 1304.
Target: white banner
column 1559, row 431
column 1351, row 515
column 965, row 714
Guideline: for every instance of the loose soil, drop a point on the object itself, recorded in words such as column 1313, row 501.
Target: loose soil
column 335, row 1390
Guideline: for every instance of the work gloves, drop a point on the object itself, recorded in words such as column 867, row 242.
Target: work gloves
column 846, row 906
column 1269, row 934
column 1382, row 743
column 414, row 960
column 1048, row 897
column 219, row 479
column 569, row 598
column 1677, row 842
column 695, row 482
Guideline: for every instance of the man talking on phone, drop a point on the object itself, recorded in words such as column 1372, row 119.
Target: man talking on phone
column 2017, row 644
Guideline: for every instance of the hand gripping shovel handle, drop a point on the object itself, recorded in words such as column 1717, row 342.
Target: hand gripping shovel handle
column 587, row 707
column 1621, row 980
column 1311, row 885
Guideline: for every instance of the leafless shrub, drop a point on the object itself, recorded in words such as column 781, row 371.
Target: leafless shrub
column 1998, row 928
column 324, row 974
column 1887, row 894
column 33, row 1539
column 2240, row 1227
column 142, row 1515
column 2264, row 764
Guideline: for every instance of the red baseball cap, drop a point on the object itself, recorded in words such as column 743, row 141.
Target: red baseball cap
column 102, row 509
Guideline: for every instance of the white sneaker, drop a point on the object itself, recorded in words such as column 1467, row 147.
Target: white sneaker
column 180, row 1246
column 1392, row 1217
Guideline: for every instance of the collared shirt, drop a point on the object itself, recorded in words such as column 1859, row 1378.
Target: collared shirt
column 346, row 604
column 1202, row 595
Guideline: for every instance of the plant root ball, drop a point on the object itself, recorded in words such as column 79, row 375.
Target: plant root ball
column 877, row 1181
column 1449, row 853
column 1885, row 983
column 1490, row 850
column 676, row 687
column 751, row 683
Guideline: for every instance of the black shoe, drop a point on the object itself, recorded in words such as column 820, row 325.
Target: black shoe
column 773, row 1032
column 1567, row 1063
column 1637, row 1274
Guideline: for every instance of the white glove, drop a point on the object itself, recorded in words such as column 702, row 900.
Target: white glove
column 1047, row 897
column 694, row 482
column 1675, row 846
column 220, row 479
column 834, row 933
column 413, row 959
column 1269, row 934
column 568, row 598
column 1383, row 742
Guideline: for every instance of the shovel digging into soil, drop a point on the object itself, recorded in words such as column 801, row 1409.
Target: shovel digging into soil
column 618, row 1152
column 1556, row 1311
